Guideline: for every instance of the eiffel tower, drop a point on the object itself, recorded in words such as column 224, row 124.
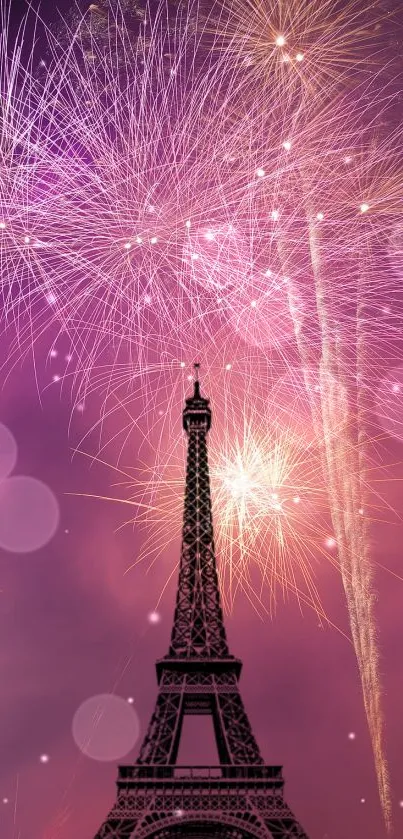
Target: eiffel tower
column 241, row 797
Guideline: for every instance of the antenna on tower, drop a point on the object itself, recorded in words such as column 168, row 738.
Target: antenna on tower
column 197, row 381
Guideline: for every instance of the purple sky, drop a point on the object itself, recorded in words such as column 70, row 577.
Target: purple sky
column 73, row 626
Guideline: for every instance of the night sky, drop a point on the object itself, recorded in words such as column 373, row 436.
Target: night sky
column 74, row 625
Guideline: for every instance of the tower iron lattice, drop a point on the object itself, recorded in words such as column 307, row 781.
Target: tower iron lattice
column 241, row 797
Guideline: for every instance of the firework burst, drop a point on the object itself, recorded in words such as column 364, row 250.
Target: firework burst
column 316, row 46
column 270, row 505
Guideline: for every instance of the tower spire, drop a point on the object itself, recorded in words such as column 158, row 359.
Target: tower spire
column 198, row 628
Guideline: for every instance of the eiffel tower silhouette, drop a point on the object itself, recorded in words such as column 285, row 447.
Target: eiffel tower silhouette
column 241, row 797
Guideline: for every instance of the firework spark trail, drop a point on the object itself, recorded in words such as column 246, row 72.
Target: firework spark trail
column 344, row 464
column 341, row 467
column 372, row 671
column 343, row 476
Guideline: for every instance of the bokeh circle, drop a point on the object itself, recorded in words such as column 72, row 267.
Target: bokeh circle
column 8, row 451
column 29, row 514
column 105, row 727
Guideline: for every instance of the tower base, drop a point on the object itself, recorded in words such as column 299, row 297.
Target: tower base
column 224, row 802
